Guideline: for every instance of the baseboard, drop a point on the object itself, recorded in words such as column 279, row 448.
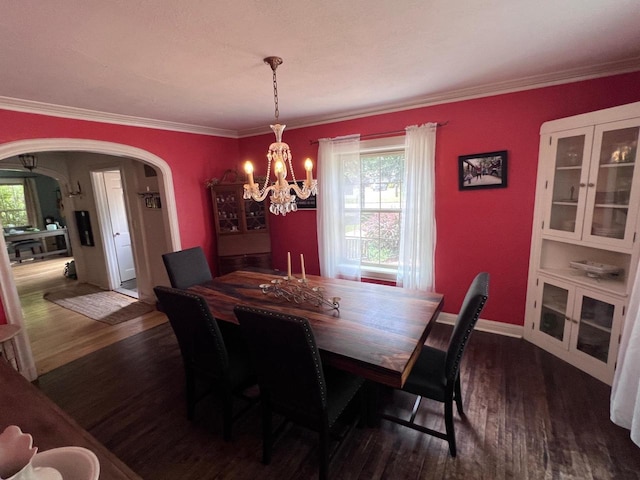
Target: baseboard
column 490, row 326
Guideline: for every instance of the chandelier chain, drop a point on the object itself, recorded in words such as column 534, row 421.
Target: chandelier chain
column 275, row 94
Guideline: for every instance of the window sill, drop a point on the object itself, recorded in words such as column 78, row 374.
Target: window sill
column 378, row 273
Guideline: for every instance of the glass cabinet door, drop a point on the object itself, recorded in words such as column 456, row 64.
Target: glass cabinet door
column 567, row 184
column 255, row 217
column 611, row 211
column 596, row 325
column 594, row 328
column 227, row 210
column 556, row 301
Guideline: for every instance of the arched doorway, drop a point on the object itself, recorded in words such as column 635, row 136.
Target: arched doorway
column 8, row 292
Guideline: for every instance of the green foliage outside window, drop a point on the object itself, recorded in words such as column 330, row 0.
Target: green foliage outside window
column 376, row 187
column 13, row 210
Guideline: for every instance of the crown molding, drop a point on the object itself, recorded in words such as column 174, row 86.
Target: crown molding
column 522, row 84
column 501, row 88
column 41, row 108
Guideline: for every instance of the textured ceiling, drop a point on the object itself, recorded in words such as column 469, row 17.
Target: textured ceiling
column 199, row 62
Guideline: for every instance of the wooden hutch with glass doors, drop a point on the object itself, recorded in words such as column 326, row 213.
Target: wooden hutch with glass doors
column 585, row 245
column 242, row 229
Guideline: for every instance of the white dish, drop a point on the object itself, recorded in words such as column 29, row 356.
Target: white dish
column 74, row 463
column 595, row 269
column 611, row 232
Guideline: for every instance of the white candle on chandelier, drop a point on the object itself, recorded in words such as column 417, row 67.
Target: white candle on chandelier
column 304, row 275
column 308, row 166
column 278, row 168
column 288, row 264
column 248, row 168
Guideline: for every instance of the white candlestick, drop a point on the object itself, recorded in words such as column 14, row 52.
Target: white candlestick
column 308, row 166
column 248, row 168
column 304, row 276
column 289, row 264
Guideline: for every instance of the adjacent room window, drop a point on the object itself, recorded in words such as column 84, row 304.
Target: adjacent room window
column 373, row 209
column 13, row 208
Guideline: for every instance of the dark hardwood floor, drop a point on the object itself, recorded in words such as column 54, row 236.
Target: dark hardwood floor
column 529, row 416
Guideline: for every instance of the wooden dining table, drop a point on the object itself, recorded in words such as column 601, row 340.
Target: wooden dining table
column 24, row 405
column 377, row 332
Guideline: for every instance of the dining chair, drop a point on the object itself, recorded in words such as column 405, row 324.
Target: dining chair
column 292, row 379
column 187, row 267
column 436, row 373
column 223, row 362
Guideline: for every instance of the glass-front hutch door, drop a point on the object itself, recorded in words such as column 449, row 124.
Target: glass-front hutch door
column 566, row 187
column 255, row 215
column 596, row 327
column 612, row 203
column 227, row 211
column 556, row 303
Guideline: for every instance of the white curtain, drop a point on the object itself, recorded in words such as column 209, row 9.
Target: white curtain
column 32, row 203
column 338, row 205
column 418, row 230
column 625, row 393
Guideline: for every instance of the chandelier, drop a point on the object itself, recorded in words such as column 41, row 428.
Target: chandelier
column 283, row 193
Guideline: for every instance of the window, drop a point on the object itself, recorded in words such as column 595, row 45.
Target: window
column 374, row 198
column 13, row 208
column 376, row 204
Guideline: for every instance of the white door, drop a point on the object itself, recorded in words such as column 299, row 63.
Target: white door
column 119, row 225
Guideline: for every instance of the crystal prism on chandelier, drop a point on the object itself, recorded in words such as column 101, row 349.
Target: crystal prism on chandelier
column 283, row 193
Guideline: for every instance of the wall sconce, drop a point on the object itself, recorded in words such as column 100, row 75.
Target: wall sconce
column 28, row 161
column 77, row 193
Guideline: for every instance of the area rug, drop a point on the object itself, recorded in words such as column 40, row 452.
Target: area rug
column 102, row 305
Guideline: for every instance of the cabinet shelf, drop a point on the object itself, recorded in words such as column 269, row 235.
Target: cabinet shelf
column 555, row 308
column 617, row 165
column 570, row 167
column 616, row 286
column 612, row 205
column 595, row 325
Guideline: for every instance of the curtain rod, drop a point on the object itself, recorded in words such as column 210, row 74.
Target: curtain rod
column 385, row 134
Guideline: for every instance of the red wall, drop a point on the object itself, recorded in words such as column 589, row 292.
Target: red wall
column 482, row 230
column 488, row 230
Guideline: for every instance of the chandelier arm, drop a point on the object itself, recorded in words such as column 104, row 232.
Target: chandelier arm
column 303, row 193
column 256, row 194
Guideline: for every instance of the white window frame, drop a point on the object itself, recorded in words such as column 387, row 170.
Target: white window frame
column 14, row 181
column 380, row 145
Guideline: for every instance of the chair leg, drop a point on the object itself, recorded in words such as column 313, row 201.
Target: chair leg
column 267, row 434
column 448, row 421
column 324, row 451
column 458, row 396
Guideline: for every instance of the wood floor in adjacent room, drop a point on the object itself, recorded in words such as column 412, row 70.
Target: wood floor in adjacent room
column 57, row 335
column 529, row 416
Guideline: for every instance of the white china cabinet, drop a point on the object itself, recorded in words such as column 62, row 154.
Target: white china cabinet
column 584, row 249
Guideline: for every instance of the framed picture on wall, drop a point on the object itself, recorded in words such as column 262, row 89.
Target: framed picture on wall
column 306, row 204
column 482, row 170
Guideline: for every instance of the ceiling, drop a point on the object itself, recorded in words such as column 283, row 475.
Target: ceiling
column 198, row 65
